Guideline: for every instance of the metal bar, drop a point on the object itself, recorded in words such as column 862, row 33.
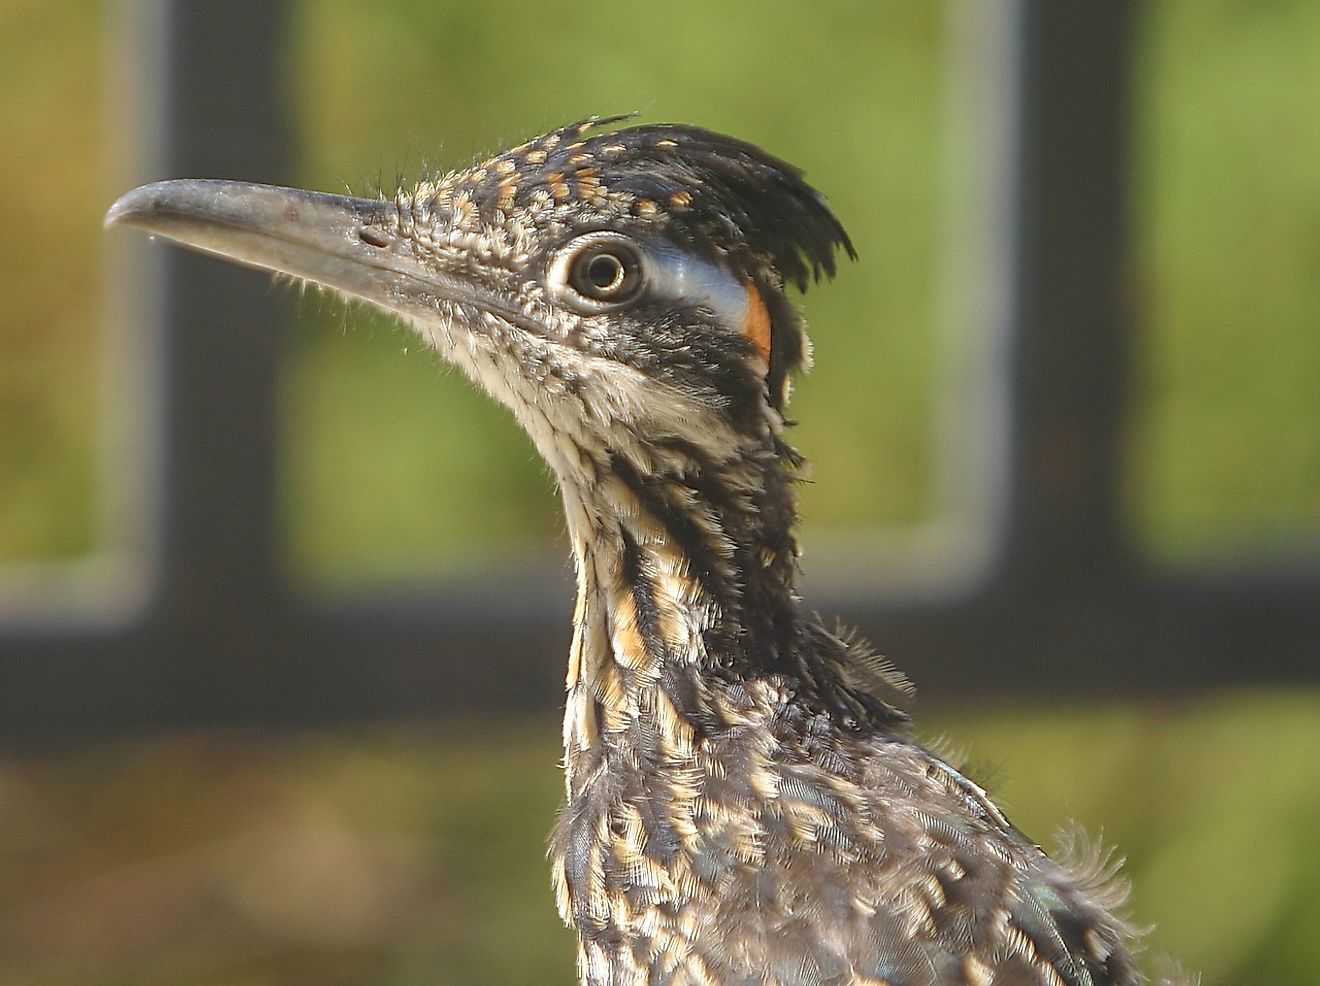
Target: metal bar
column 224, row 117
column 1050, row 95
column 1071, row 355
column 219, row 596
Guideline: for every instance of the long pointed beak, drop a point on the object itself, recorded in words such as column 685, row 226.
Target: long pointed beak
column 350, row 244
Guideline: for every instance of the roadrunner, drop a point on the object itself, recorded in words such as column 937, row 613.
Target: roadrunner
column 744, row 806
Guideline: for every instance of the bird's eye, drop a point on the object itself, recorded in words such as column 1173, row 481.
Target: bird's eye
column 600, row 270
column 609, row 272
column 601, row 274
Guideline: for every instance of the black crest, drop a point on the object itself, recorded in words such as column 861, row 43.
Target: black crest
column 719, row 192
column 706, row 191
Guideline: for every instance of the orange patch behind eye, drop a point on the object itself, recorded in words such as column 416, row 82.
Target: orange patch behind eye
column 756, row 323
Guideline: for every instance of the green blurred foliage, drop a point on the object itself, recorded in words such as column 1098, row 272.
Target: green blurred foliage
column 51, row 167
column 396, row 856
column 409, row 855
column 1226, row 444
column 406, row 855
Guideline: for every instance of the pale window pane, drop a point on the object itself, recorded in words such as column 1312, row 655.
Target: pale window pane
column 1226, row 449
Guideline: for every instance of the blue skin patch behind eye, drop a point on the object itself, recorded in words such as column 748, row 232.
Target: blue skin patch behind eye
column 671, row 273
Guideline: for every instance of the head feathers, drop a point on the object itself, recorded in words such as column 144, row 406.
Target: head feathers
column 713, row 194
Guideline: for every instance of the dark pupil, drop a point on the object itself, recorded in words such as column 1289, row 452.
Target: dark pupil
column 604, row 272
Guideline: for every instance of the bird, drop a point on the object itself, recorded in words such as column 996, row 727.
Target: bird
column 745, row 801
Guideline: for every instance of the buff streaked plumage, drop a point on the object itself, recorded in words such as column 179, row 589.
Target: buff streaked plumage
column 743, row 803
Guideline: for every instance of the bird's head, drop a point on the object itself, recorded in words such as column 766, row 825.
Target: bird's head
column 615, row 288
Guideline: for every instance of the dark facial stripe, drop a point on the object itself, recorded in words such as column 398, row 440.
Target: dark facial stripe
column 643, row 593
column 703, row 559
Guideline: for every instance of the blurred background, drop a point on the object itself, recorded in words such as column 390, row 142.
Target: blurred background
column 170, row 828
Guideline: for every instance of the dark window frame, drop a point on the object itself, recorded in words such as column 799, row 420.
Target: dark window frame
column 1065, row 604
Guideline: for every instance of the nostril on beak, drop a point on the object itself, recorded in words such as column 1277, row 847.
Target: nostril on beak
column 371, row 237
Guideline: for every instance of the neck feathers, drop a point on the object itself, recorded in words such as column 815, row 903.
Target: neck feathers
column 686, row 577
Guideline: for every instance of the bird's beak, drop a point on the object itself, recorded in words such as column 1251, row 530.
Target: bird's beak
column 323, row 238
column 352, row 245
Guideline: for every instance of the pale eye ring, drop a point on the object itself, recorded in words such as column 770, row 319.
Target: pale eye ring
column 600, row 270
